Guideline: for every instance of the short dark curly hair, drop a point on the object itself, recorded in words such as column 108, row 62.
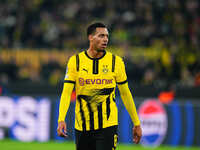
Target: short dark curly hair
column 92, row 28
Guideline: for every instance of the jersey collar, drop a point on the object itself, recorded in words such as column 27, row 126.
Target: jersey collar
column 104, row 53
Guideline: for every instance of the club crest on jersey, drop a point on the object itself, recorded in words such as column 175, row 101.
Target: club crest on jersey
column 105, row 69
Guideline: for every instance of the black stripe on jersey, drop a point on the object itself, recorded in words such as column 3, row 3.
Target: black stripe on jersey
column 100, row 117
column 85, row 97
column 95, row 66
column 82, row 114
column 122, row 82
column 113, row 63
column 69, row 81
column 108, row 107
column 91, row 116
column 77, row 62
column 105, row 91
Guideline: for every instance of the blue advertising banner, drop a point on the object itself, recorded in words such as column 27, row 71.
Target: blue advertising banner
column 35, row 119
column 25, row 118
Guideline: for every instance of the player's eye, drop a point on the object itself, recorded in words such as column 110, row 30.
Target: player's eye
column 101, row 35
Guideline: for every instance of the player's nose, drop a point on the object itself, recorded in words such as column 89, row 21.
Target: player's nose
column 105, row 39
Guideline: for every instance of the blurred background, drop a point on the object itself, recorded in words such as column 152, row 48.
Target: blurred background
column 158, row 39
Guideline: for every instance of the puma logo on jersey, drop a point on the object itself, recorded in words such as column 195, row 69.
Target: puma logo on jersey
column 83, row 81
column 85, row 70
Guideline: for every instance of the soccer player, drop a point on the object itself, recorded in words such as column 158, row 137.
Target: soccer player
column 95, row 74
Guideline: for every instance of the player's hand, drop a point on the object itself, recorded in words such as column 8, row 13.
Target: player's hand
column 62, row 129
column 137, row 134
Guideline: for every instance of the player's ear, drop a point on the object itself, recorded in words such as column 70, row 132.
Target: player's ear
column 90, row 37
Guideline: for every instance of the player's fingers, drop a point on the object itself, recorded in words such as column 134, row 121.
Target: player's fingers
column 139, row 138
column 65, row 128
column 61, row 133
column 137, row 134
column 136, row 140
column 59, row 130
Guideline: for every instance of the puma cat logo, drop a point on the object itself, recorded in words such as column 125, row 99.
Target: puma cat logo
column 85, row 70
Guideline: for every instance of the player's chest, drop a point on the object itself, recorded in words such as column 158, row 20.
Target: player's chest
column 95, row 68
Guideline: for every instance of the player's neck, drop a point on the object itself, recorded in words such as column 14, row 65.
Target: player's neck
column 94, row 53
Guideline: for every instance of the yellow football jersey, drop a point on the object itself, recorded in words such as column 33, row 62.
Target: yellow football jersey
column 95, row 81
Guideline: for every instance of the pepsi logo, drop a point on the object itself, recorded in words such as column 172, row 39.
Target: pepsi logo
column 154, row 122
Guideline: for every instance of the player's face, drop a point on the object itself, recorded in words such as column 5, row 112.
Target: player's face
column 99, row 39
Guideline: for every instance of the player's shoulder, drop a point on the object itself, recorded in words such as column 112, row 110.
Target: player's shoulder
column 72, row 59
column 75, row 55
column 113, row 55
column 81, row 53
column 117, row 57
column 78, row 55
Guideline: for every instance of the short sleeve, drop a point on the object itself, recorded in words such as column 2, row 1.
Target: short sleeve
column 70, row 75
column 121, row 76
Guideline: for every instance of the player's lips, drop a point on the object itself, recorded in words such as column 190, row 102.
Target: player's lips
column 104, row 45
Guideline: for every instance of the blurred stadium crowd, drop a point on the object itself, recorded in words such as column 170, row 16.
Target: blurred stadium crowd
column 159, row 39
